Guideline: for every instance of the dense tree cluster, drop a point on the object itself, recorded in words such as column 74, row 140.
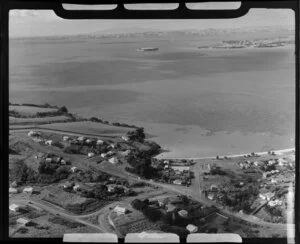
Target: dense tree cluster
column 137, row 135
column 151, row 213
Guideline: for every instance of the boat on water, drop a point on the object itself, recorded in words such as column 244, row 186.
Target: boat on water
column 145, row 49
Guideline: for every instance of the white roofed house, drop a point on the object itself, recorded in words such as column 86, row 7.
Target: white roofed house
column 76, row 187
column 81, row 138
column 91, row 154
column 119, row 210
column 192, row 228
column 125, row 138
column 177, row 182
column 113, row 160
column 103, row 155
column 23, row 221
column 266, row 196
column 14, row 207
column 110, row 188
column 12, row 190
column 73, row 169
column 99, row 142
column 48, row 160
column 65, row 138
column 88, row 141
column 33, row 133
column 28, row 190
column 49, row 142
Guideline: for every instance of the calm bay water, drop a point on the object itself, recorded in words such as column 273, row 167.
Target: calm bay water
column 194, row 102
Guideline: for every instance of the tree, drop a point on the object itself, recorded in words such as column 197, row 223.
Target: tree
column 63, row 109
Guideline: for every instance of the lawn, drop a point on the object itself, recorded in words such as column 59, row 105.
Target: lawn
column 44, row 120
column 89, row 128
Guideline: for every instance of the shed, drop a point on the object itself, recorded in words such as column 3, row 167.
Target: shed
column 183, row 213
column 49, row 142
column 91, row 154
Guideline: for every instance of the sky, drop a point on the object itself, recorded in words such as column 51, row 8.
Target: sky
column 27, row 23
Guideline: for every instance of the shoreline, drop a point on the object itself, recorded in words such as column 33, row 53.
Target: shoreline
column 280, row 151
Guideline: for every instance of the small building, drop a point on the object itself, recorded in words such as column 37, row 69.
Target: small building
column 211, row 196
column 14, row 207
column 103, row 155
column 166, row 166
column 256, row 163
column 241, row 183
column 99, row 142
column 76, row 187
column 91, row 154
column 125, row 138
column 12, row 190
column 73, row 169
column 183, row 213
column 125, row 153
column 181, row 168
column 49, row 142
column 177, row 182
column 119, row 210
column 48, row 160
column 28, row 190
column 88, row 141
column 162, row 202
column 166, row 162
column 266, row 196
column 192, row 228
column 68, row 185
column 110, row 153
column 63, row 162
column 273, row 181
column 65, row 138
column 113, row 160
column 23, row 221
column 57, row 159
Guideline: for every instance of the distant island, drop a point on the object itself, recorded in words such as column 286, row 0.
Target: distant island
column 147, row 49
column 262, row 43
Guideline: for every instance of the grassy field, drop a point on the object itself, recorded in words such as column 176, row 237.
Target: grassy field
column 30, row 110
column 23, row 121
column 87, row 127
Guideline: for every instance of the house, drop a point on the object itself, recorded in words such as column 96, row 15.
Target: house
column 23, row 221
column 111, row 188
column 68, row 185
column 110, row 153
column 162, row 202
column 57, row 159
column 103, row 155
column 91, row 154
column 274, row 203
column 166, row 166
column 166, row 162
column 113, row 160
column 213, row 187
column 88, row 141
column 48, row 160
column 119, row 210
column 14, row 207
column 65, row 138
column 266, row 196
column 12, row 190
column 256, row 163
column 33, row 133
column 273, row 181
column 63, row 162
column 49, row 142
column 241, row 183
column 183, row 213
column 170, row 207
column 125, row 153
column 81, row 138
column 192, row 228
column 99, row 142
column 211, row 196
column 181, row 168
column 177, row 182
column 76, row 187
column 28, row 189
column 73, row 169
column 281, row 162
column 125, row 138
